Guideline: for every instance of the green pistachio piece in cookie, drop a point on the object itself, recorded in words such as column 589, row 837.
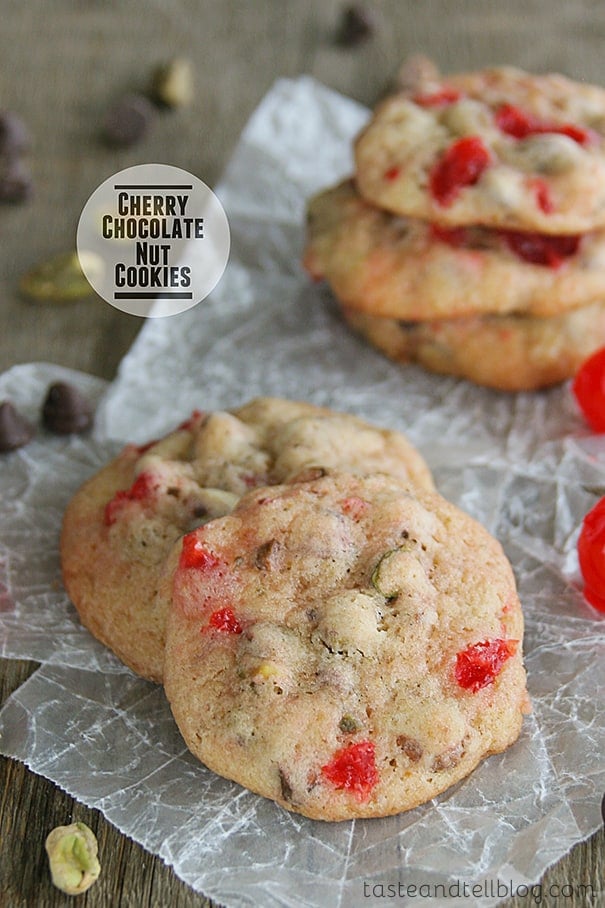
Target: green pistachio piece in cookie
column 386, row 578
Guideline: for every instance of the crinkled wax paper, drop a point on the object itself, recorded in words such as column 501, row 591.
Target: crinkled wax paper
column 524, row 465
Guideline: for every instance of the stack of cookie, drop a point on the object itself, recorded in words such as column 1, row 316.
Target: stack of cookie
column 471, row 238
column 331, row 633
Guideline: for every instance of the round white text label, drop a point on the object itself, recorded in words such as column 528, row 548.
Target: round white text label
column 153, row 240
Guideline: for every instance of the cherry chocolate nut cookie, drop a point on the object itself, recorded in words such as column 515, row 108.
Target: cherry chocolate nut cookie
column 120, row 526
column 506, row 352
column 390, row 265
column 347, row 646
column 499, row 147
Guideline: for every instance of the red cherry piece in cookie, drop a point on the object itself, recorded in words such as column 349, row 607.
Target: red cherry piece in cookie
column 354, row 507
column 540, row 249
column 451, row 236
column 194, row 554
column 460, row 166
column 519, row 124
column 591, row 555
column 542, row 195
column 479, row 664
column 440, row 98
column 391, row 174
column 589, row 390
column 189, row 424
column 140, row 490
column 353, row 769
column 224, row 621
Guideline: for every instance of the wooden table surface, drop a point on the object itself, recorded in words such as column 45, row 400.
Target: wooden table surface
column 61, row 65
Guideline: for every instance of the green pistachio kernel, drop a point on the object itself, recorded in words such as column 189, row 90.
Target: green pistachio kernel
column 61, row 279
column 173, row 83
column 386, row 576
column 348, row 724
column 72, row 856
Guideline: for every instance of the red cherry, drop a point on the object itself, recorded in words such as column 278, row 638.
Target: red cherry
column 224, row 620
column 541, row 191
column 513, row 121
column 589, row 390
column 353, row 768
column 594, row 599
column 142, row 488
column 354, row 507
column 440, row 98
column 195, row 555
column 540, row 249
column 194, row 420
column 517, row 123
column 461, row 165
column 451, row 236
column 591, row 555
column 479, row 664
column 391, row 174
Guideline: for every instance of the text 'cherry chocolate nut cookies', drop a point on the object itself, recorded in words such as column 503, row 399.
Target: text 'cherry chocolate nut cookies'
column 347, row 645
column 120, row 526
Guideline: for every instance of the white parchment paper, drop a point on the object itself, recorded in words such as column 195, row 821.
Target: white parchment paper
column 525, row 465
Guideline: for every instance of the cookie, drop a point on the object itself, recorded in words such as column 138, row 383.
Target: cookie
column 389, row 265
column 122, row 523
column 498, row 147
column 346, row 646
column 506, row 352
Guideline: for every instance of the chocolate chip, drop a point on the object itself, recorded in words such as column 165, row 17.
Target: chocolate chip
column 15, row 180
column 284, row 785
column 127, row 122
column 357, row 24
column 267, row 554
column 14, row 134
column 65, row 411
column 15, row 431
column 411, row 748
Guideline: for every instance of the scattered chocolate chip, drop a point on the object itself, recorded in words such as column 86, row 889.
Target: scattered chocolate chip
column 266, row 555
column 448, row 759
column 16, row 183
column 14, row 134
column 65, row 411
column 15, row 431
column 284, row 785
column 411, row 748
column 173, row 83
column 128, row 121
column 357, row 24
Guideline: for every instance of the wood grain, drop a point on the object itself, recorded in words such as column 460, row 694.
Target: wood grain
column 62, row 64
